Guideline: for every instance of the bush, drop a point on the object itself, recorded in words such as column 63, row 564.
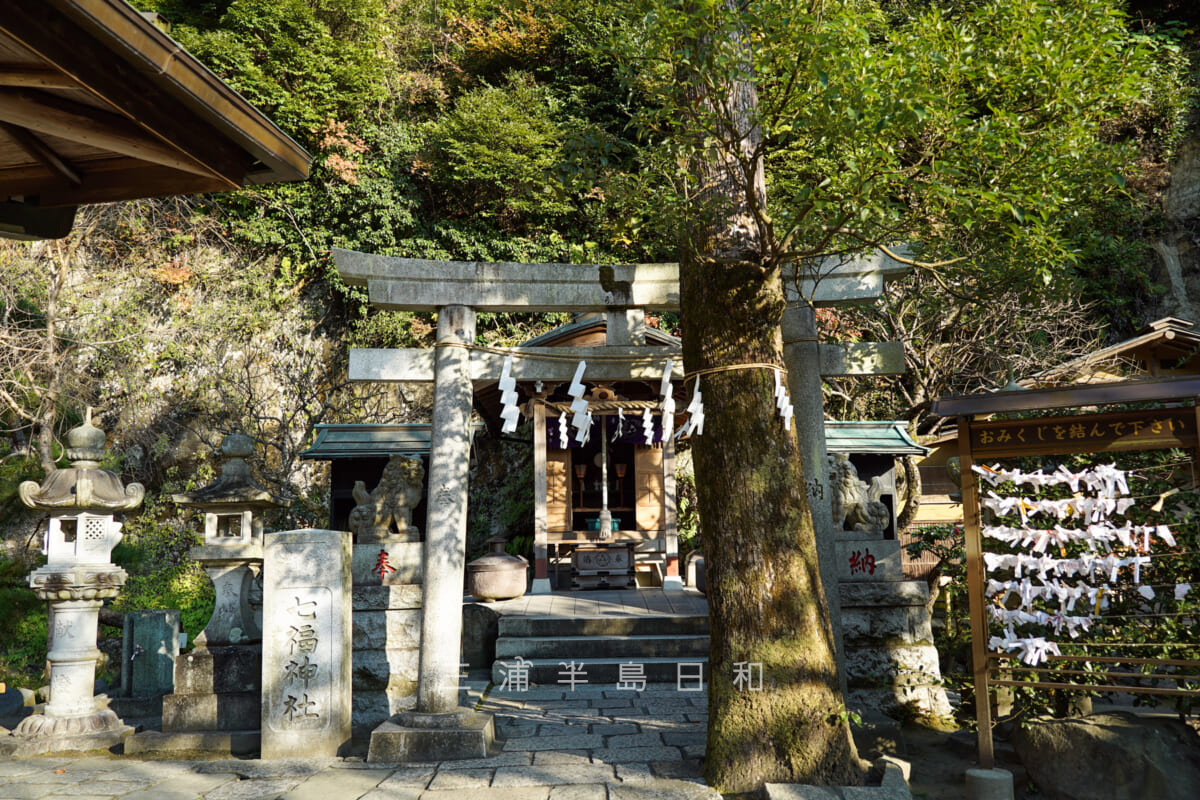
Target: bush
column 161, row 573
column 22, row 628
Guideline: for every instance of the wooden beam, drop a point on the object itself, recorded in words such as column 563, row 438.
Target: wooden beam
column 550, row 364
column 421, row 285
column 41, row 152
column 848, row 280
column 861, row 358
column 103, row 181
column 24, row 76
column 613, row 363
column 413, row 284
column 46, row 113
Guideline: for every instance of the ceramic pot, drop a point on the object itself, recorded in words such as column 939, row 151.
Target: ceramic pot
column 496, row 576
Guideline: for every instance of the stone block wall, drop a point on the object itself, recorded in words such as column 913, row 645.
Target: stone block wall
column 386, row 638
column 891, row 660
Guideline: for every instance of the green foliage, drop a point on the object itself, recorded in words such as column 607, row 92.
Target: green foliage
column 161, row 574
column 506, row 508
column 302, row 63
column 687, row 516
column 14, row 472
column 22, row 628
column 492, row 155
column 976, row 129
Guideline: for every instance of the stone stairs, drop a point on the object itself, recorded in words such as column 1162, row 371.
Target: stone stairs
column 599, row 645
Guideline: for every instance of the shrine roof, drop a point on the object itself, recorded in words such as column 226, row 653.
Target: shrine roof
column 566, row 335
column 98, row 104
column 1165, row 347
column 871, row 437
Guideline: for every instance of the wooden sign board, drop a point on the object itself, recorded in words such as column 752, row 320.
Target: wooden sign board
column 1152, row 429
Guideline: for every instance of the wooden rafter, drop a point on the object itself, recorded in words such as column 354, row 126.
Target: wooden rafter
column 103, row 180
column 41, row 152
column 61, row 40
column 49, row 114
column 22, row 76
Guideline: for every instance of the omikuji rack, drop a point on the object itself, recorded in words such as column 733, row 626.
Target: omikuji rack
column 1174, row 425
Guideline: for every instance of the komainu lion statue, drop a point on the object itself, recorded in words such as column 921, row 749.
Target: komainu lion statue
column 856, row 506
column 392, row 501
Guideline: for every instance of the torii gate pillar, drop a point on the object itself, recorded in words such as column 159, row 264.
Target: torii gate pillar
column 802, row 357
column 438, row 728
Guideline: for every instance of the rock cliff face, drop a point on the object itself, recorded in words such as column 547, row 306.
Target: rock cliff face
column 1179, row 247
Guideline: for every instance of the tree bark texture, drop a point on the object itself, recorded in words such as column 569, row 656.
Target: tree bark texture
column 766, row 603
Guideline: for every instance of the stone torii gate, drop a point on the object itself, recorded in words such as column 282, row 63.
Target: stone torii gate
column 457, row 290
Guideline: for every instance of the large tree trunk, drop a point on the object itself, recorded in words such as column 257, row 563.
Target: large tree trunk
column 766, row 603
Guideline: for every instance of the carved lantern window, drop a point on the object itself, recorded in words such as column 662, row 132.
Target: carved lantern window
column 81, row 538
column 229, row 527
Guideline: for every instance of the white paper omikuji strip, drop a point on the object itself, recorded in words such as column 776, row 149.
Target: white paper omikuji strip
column 1033, row 650
column 581, row 419
column 1105, row 479
column 695, row 409
column 510, row 413
column 667, row 401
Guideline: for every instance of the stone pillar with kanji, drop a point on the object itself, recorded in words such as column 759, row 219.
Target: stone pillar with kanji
column 306, row 694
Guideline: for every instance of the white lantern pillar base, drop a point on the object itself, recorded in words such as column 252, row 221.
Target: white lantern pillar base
column 74, row 719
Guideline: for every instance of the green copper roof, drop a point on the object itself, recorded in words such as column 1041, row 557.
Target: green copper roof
column 883, row 438
column 358, row 441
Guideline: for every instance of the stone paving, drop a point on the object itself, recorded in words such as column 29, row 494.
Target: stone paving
column 593, row 743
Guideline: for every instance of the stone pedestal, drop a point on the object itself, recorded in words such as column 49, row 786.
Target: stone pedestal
column 216, row 704
column 419, row 737
column 306, row 701
column 74, row 719
column 233, row 571
column 989, row 784
column 387, row 642
column 890, row 657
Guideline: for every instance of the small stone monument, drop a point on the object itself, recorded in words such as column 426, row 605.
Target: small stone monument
column 78, row 576
column 891, row 662
column 216, row 704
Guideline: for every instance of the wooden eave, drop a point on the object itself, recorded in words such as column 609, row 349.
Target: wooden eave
column 1146, row 391
column 98, row 105
column 592, row 331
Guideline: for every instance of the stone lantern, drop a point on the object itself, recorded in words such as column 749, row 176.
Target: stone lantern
column 232, row 553
column 217, row 700
column 78, row 576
